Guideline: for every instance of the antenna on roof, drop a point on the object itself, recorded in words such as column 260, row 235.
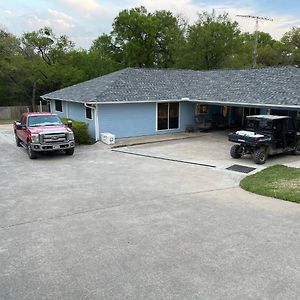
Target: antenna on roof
column 255, row 34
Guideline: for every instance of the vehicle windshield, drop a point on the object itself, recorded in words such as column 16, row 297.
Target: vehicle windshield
column 259, row 125
column 44, row 120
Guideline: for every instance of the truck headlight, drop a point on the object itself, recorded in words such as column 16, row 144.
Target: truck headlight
column 35, row 138
column 71, row 136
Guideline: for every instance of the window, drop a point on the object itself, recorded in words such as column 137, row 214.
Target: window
column 167, row 116
column 201, row 109
column 88, row 113
column 58, row 105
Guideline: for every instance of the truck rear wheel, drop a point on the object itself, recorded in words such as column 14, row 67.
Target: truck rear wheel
column 70, row 151
column 32, row 154
column 260, row 156
column 235, row 151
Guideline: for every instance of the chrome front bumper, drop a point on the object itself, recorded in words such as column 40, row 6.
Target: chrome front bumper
column 52, row 146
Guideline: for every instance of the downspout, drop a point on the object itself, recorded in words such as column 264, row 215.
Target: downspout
column 95, row 109
column 48, row 101
column 67, row 109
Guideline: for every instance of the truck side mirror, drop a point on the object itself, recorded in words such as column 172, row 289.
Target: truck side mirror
column 18, row 125
column 70, row 124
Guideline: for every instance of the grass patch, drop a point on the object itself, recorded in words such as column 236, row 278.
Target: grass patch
column 3, row 122
column 277, row 181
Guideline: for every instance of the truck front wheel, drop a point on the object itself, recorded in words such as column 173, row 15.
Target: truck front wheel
column 32, row 154
column 260, row 156
column 17, row 141
column 70, row 151
column 235, row 151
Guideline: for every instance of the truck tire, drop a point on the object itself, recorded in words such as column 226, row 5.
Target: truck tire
column 235, row 151
column 32, row 154
column 297, row 149
column 260, row 156
column 17, row 141
column 70, row 151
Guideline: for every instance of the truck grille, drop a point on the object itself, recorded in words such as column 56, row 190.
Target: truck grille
column 50, row 138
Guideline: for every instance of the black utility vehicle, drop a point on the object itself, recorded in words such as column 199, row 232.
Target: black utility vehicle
column 266, row 135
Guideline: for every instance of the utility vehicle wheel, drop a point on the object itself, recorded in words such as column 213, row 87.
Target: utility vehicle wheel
column 260, row 156
column 235, row 151
column 32, row 154
column 17, row 141
column 297, row 149
column 70, row 151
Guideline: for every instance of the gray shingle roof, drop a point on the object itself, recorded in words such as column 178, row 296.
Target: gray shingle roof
column 273, row 86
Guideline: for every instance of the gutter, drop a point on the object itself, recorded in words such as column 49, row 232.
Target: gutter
column 229, row 103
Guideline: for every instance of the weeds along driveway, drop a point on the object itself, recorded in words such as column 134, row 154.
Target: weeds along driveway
column 107, row 225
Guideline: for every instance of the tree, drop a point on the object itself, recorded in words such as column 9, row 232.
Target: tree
column 145, row 39
column 12, row 70
column 291, row 42
column 47, row 45
column 211, row 41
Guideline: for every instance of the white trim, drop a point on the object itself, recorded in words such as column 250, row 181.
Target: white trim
column 97, row 128
column 118, row 102
column 258, row 105
column 156, row 118
column 229, row 103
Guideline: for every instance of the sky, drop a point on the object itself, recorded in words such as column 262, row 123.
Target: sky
column 84, row 20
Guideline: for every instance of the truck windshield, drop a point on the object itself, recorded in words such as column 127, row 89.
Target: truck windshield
column 44, row 120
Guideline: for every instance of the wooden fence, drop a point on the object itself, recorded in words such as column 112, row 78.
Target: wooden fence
column 14, row 112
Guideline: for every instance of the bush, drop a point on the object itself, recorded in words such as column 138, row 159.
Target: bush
column 80, row 130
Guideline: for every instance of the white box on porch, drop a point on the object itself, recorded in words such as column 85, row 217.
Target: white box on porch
column 107, row 138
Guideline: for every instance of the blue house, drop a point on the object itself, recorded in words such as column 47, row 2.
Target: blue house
column 138, row 101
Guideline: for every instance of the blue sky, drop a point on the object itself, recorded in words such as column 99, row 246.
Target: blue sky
column 84, row 20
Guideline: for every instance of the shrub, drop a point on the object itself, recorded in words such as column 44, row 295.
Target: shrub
column 80, row 130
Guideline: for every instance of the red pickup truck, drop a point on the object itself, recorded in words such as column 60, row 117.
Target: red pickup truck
column 39, row 132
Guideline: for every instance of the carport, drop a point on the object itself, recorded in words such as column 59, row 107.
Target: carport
column 233, row 115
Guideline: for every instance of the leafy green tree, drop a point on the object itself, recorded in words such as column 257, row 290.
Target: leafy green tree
column 291, row 42
column 145, row 39
column 211, row 41
column 12, row 70
column 47, row 45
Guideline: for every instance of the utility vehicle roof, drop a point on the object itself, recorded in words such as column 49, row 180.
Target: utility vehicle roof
column 267, row 117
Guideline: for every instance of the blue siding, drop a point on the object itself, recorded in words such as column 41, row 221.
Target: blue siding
column 128, row 120
column 75, row 111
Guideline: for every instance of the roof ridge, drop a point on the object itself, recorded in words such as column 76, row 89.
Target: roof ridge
column 214, row 70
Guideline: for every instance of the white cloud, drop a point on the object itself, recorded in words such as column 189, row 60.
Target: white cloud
column 58, row 21
column 59, row 14
column 87, row 6
column 8, row 13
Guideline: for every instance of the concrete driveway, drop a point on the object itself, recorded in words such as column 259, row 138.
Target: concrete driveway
column 109, row 225
column 208, row 148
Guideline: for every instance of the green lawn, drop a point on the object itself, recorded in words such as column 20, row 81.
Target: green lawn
column 278, row 181
column 6, row 122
